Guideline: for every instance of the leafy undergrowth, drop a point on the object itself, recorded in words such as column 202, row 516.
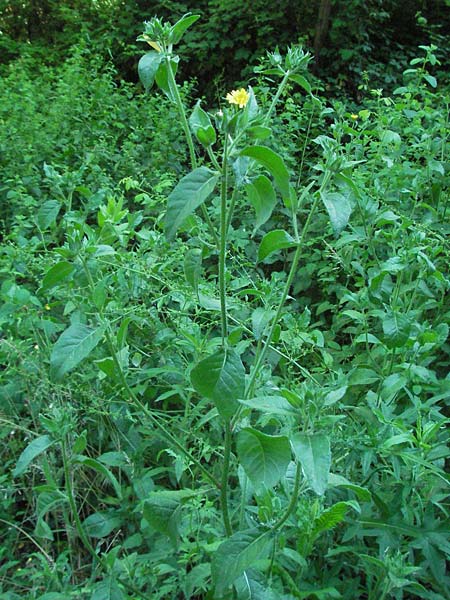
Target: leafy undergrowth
column 123, row 400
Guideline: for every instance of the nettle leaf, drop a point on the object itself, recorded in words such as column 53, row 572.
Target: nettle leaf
column 272, row 405
column 274, row 164
column 147, row 68
column 100, row 524
column 177, row 30
column 162, row 77
column 34, row 448
column 188, row 195
column 339, row 209
column 236, row 554
column 301, row 81
column 262, row 197
column 107, row 589
column 221, row 378
column 313, row 453
column 396, row 328
column 274, row 241
column 265, row 458
column 73, row 346
column 162, row 510
column 193, row 267
column 47, row 213
column 56, row 274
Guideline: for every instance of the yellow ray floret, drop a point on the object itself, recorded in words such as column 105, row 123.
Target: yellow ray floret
column 239, row 97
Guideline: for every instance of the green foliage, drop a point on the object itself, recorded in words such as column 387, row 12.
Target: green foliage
column 225, row 357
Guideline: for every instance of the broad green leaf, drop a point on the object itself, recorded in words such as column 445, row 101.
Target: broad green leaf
column 272, row 405
column 264, row 458
column 193, row 267
column 259, row 132
column 262, row 197
column 73, row 346
column 273, row 241
column 177, row 30
column 430, row 79
column 162, row 78
column 188, row 195
column 147, row 68
column 396, row 328
column 339, row 209
column 100, row 524
column 107, row 589
column 274, row 164
column 313, row 453
column 56, row 274
column 301, row 81
column 201, row 126
column 34, row 448
column 236, row 554
column 47, row 213
column 162, row 510
column 221, row 378
column 261, row 317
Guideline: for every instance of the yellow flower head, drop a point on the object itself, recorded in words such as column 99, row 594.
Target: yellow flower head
column 354, row 117
column 239, row 97
column 47, row 307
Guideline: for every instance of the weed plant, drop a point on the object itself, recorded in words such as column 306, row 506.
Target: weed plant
column 224, row 336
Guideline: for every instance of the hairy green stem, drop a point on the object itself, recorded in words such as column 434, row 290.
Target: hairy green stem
column 276, row 97
column 223, row 243
column 188, row 135
column 284, row 295
column 224, row 482
column 293, row 502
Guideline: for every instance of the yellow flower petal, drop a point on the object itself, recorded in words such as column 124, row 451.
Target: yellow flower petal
column 239, row 97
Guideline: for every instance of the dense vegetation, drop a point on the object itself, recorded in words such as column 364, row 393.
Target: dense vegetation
column 224, row 323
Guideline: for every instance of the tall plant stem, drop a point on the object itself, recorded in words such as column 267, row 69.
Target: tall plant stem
column 293, row 502
column 276, row 97
column 224, row 486
column 284, row 295
column 190, row 142
column 223, row 242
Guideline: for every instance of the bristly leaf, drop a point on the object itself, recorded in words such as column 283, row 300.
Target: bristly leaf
column 262, row 197
column 313, row 452
column 221, row 378
column 236, row 554
column 148, row 67
column 34, row 448
column 188, row 195
column 339, row 209
column 177, row 31
column 274, row 164
column 73, row 346
column 264, row 458
column 273, row 241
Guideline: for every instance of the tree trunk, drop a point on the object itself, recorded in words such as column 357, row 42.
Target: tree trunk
column 322, row 27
